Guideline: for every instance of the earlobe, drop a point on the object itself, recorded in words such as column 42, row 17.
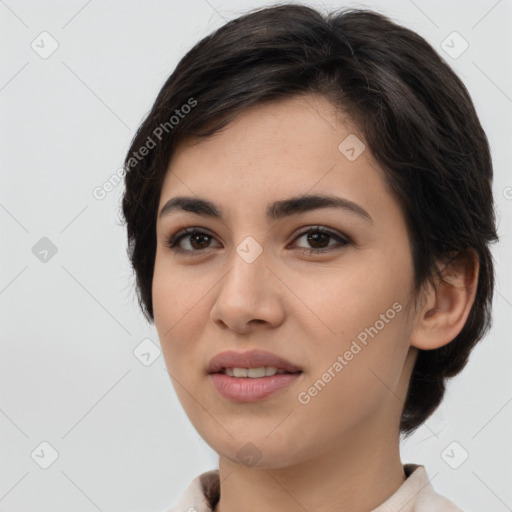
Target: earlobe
column 447, row 305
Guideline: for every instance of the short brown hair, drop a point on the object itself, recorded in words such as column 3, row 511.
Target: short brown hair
column 414, row 113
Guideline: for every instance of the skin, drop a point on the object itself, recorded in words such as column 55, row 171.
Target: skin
column 340, row 451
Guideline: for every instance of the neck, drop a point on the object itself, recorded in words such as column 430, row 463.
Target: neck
column 357, row 475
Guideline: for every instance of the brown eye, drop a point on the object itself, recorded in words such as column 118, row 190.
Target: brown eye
column 199, row 240
column 190, row 240
column 195, row 241
column 319, row 238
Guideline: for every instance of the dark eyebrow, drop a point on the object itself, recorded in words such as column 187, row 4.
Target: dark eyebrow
column 275, row 211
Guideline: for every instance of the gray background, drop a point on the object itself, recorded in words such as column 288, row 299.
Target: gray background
column 70, row 324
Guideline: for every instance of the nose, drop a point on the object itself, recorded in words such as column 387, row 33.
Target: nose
column 249, row 295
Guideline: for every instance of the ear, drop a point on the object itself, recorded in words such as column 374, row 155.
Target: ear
column 446, row 307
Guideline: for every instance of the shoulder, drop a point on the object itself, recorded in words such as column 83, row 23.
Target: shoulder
column 427, row 499
column 201, row 495
column 416, row 494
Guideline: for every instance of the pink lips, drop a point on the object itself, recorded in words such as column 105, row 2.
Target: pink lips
column 247, row 389
column 249, row 359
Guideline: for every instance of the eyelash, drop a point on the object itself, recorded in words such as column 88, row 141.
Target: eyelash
column 176, row 238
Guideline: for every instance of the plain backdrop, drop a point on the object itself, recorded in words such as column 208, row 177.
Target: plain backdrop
column 88, row 422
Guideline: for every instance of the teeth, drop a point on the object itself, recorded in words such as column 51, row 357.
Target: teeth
column 253, row 373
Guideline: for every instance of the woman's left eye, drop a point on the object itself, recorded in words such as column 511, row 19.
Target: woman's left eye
column 198, row 240
column 317, row 236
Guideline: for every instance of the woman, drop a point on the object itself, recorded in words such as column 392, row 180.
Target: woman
column 309, row 213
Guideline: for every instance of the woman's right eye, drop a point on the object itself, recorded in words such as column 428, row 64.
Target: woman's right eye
column 195, row 239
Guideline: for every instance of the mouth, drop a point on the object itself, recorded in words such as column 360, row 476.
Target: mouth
column 252, row 384
column 254, row 373
column 253, row 364
column 251, row 376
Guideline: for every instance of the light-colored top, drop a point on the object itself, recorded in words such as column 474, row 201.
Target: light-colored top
column 416, row 494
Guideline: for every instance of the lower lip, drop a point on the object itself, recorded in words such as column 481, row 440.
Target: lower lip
column 246, row 389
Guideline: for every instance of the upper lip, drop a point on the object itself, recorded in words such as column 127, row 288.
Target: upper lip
column 249, row 359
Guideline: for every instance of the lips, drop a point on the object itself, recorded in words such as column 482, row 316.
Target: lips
column 250, row 359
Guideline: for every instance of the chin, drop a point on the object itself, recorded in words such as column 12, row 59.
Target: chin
column 257, row 452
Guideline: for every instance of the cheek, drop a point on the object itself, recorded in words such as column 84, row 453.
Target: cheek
column 355, row 373
column 343, row 300
column 358, row 312
column 179, row 311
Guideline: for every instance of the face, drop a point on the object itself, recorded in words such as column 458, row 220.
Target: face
column 326, row 287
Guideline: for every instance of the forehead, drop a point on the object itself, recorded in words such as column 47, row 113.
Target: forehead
column 278, row 149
